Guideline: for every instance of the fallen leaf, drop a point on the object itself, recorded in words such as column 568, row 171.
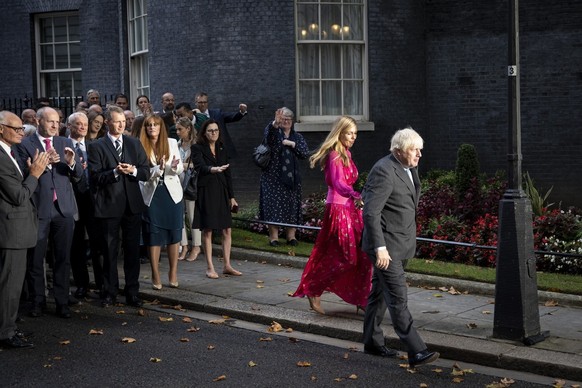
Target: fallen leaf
column 128, row 340
column 120, row 312
column 353, row 377
column 65, row 342
column 210, row 347
column 260, row 286
column 437, row 295
column 443, row 289
column 423, row 385
column 353, row 349
column 291, row 252
column 260, row 281
column 96, row 332
column 458, row 380
column 184, row 339
column 155, row 359
column 288, row 330
column 193, row 329
column 123, row 323
column 290, row 293
column 303, row 364
column 559, row 383
column 265, row 339
column 437, row 370
column 141, row 312
column 216, row 321
column 551, row 303
column 225, row 317
column 472, row 325
column 166, row 319
column 275, row 327
column 252, row 363
column 313, row 378
column 486, row 312
column 284, row 280
column 187, row 320
column 507, row 381
column 57, row 358
column 47, row 366
column 220, row 378
column 346, row 356
column 452, row 291
column 178, row 307
column 338, row 379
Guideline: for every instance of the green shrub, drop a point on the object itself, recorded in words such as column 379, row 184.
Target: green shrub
column 538, row 202
column 467, row 168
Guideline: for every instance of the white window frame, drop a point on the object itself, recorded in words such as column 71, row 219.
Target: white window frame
column 72, row 73
column 139, row 73
column 322, row 122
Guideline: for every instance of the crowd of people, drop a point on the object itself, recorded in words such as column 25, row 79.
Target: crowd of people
column 111, row 181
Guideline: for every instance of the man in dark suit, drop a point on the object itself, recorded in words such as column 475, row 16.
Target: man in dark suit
column 221, row 118
column 18, row 225
column 85, row 224
column 390, row 201
column 117, row 163
column 57, row 209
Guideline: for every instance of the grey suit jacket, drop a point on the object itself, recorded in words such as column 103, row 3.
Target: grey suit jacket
column 390, row 203
column 18, row 219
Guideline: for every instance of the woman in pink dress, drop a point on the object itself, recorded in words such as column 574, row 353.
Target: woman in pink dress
column 337, row 264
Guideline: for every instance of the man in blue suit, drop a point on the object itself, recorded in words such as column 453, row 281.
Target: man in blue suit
column 221, row 118
column 390, row 199
column 57, row 209
column 18, row 226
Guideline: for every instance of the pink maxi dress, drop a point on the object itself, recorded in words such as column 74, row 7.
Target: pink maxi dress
column 337, row 263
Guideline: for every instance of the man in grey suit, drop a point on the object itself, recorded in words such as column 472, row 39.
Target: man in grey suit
column 18, row 225
column 390, row 200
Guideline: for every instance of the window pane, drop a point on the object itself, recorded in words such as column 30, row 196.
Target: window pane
column 60, row 29
column 78, row 85
column 75, row 54
column 331, row 61
column 138, row 35
column 46, row 53
column 352, row 28
column 352, row 59
column 353, row 103
column 46, row 30
column 331, row 97
column 308, row 61
column 309, row 103
column 61, row 56
column 51, row 85
column 331, row 21
column 74, row 28
column 65, row 84
column 307, row 22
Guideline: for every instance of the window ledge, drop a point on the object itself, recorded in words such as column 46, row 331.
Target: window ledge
column 326, row 127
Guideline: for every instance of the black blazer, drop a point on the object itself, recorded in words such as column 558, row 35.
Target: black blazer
column 111, row 194
column 204, row 161
column 222, row 118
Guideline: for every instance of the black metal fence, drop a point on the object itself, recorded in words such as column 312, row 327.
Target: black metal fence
column 576, row 256
column 65, row 104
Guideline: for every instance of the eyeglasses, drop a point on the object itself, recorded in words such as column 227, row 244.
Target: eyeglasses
column 16, row 129
column 202, row 102
column 212, row 130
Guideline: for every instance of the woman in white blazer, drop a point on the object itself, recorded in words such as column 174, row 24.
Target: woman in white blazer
column 162, row 194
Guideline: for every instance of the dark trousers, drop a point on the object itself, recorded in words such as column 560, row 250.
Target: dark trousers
column 130, row 226
column 12, row 270
column 86, row 224
column 389, row 290
column 59, row 230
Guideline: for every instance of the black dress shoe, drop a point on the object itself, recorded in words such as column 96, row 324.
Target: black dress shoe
column 16, row 343
column 81, row 293
column 134, row 301
column 107, row 301
column 36, row 310
column 274, row 243
column 293, row 242
column 381, row 351
column 424, row 357
column 63, row 311
column 22, row 334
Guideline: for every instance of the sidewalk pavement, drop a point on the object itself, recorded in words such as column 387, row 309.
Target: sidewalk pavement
column 459, row 326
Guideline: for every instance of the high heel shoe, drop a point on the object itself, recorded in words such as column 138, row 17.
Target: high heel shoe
column 193, row 254
column 174, row 285
column 156, row 287
column 315, row 304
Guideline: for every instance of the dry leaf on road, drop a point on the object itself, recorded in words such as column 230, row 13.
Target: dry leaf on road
column 128, row 340
column 96, row 332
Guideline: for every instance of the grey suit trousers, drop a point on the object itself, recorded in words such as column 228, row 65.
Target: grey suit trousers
column 389, row 290
column 12, row 270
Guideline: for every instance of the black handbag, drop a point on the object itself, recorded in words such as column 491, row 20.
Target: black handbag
column 190, row 183
column 262, row 155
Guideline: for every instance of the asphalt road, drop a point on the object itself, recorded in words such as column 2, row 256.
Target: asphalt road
column 163, row 346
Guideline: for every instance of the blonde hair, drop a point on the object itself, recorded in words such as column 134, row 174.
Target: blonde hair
column 332, row 143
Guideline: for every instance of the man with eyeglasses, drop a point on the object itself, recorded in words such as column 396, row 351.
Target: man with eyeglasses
column 18, row 226
column 57, row 209
column 221, row 118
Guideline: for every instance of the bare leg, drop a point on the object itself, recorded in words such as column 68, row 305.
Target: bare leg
column 207, row 243
column 226, row 245
column 273, row 233
column 173, row 258
column 154, row 252
column 291, row 234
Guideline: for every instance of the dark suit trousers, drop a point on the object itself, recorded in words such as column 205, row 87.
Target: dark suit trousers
column 130, row 225
column 389, row 290
column 86, row 223
column 60, row 231
column 12, row 270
